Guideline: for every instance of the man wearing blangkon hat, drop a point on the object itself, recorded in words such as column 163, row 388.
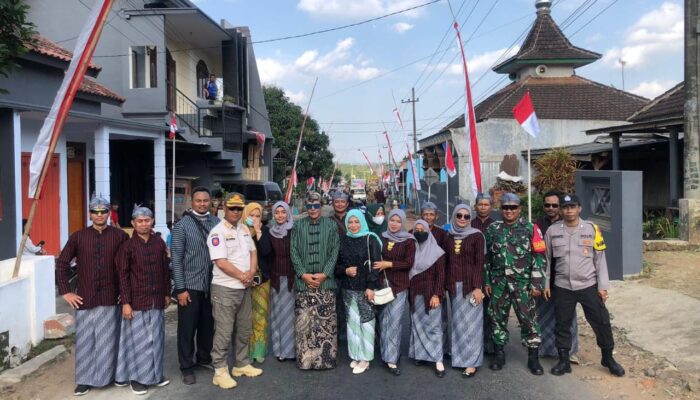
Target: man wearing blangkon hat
column 97, row 313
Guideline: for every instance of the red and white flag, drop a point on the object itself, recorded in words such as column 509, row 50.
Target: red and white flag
column 398, row 116
column 414, row 172
column 391, row 152
column 449, row 161
column 53, row 124
column 173, row 126
column 310, row 183
column 371, row 170
column 470, row 124
column 524, row 113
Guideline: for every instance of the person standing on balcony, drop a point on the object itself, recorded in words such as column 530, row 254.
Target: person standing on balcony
column 211, row 90
column 97, row 311
column 192, row 271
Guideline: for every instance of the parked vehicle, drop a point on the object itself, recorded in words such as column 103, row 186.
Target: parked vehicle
column 265, row 193
column 358, row 194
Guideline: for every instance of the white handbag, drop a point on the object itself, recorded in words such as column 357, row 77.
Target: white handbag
column 381, row 296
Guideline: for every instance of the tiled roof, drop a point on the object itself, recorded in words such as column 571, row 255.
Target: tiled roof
column 89, row 86
column 667, row 105
column 547, row 42
column 572, row 97
column 48, row 48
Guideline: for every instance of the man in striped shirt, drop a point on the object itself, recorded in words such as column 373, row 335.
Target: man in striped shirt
column 192, row 271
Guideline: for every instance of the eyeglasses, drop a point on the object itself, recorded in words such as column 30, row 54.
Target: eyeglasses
column 99, row 212
column 463, row 216
column 509, row 208
column 551, row 205
column 235, row 209
column 314, row 206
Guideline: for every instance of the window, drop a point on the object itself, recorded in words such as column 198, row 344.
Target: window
column 202, row 77
column 144, row 67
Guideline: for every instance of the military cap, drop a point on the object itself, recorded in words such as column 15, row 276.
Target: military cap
column 569, row 200
column 234, row 200
column 510, row 198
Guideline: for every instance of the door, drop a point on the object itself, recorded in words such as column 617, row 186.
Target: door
column 75, row 153
column 170, row 76
column 47, row 220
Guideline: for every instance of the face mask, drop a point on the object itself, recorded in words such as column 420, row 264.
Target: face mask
column 378, row 220
column 421, row 236
column 249, row 221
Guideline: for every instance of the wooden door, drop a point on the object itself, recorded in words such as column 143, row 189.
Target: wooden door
column 76, row 187
column 47, row 220
column 170, row 73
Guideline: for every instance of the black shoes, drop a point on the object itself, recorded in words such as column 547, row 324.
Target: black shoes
column 499, row 359
column 189, row 378
column 137, row 388
column 394, row 370
column 533, row 361
column 81, row 390
column 609, row 362
column 564, row 364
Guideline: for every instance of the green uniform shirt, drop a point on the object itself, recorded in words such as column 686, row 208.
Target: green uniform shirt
column 314, row 249
column 510, row 253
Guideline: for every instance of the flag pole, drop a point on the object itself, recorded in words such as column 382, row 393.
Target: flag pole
column 301, row 136
column 447, row 197
column 172, row 190
column 529, row 183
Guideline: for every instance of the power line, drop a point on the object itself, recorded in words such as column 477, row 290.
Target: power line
column 594, row 18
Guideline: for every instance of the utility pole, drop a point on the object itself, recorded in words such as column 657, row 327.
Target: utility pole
column 690, row 203
column 622, row 66
column 413, row 100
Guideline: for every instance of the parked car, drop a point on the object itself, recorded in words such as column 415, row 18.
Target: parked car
column 358, row 194
column 265, row 193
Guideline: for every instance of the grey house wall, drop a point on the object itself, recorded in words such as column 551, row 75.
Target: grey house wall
column 8, row 223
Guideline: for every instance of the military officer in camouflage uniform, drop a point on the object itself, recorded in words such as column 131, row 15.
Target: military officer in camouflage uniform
column 514, row 276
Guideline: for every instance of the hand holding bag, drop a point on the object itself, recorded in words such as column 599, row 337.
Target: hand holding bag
column 381, row 296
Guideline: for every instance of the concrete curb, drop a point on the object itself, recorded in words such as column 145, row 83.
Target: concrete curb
column 17, row 374
column 668, row 245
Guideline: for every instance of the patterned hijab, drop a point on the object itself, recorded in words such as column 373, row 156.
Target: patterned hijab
column 371, row 213
column 426, row 253
column 456, row 231
column 280, row 230
column 364, row 230
column 402, row 234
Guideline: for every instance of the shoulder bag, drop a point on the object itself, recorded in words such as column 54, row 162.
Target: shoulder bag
column 381, row 296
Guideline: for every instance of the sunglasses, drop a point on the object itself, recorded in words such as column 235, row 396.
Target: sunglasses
column 463, row 216
column 99, row 212
column 550, row 205
column 509, row 208
column 235, row 209
column 314, row 206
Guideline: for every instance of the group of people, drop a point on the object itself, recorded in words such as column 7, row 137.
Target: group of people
column 241, row 285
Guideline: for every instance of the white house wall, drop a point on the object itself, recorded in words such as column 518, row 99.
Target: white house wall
column 500, row 137
column 186, row 66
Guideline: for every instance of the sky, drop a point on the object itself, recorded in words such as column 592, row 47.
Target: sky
column 364, row 71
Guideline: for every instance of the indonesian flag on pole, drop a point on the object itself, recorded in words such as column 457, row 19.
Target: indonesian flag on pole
column 173, row 126
column 416, row 179
column 449, row 162
column 391, row 152
column 310, row 183
column 295, row 179
column 398, row 116
column 470, row 124
column 371, row 170
column 524, row 113
column 53, row 124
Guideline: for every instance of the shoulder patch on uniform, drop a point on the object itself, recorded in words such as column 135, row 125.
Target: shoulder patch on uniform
column 538, row 245
column 215, row 241
column 598, row 241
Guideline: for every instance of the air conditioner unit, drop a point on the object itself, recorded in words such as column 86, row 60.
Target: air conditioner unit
column 541, row 70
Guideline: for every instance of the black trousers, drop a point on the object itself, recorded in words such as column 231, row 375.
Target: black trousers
column 593, row 308
column 195, row 322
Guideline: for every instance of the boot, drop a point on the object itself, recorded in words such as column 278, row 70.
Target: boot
column 499, row 359
column 223, row 379
column 564, row 364
column 609, row 362
column 533, row 360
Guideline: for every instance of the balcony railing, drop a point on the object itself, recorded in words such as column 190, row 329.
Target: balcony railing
column 186, row 109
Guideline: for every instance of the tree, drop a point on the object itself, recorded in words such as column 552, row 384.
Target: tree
column 15, row 32
column 315, row 158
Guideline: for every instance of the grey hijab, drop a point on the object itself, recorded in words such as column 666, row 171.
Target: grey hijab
column 426, row 253
column 402, row 234
column 280, row 230
column 456, row 231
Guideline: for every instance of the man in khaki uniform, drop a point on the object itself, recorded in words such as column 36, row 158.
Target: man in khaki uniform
column 582, row 277
column 233, row 252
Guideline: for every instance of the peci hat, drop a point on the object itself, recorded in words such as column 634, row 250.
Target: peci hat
column 234, row 200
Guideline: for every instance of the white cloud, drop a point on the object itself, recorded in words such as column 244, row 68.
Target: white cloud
column 297, row 97
column 652, row 89
column 656, row 33
column 340, row 64
column 358, row 9
column 402, row 27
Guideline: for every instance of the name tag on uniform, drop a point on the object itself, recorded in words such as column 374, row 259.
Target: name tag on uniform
column 587, row 242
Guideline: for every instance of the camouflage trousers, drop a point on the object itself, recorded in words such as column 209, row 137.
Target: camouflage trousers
column 507, row 292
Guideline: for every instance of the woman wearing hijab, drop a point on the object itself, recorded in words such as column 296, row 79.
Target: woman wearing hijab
column 257, row 344
column 426, row 289
column 358, row 249
column 398, row 251
column 465, row 248
column 376, row 218
column 282, row 282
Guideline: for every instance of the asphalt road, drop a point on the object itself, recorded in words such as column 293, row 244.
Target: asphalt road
column 285, row 381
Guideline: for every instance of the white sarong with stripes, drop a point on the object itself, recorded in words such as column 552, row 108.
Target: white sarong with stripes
column 426, row 333
column 141, row 348
column 467, row 331
column 282, row 321
column 96, row 345
column 360, row 335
